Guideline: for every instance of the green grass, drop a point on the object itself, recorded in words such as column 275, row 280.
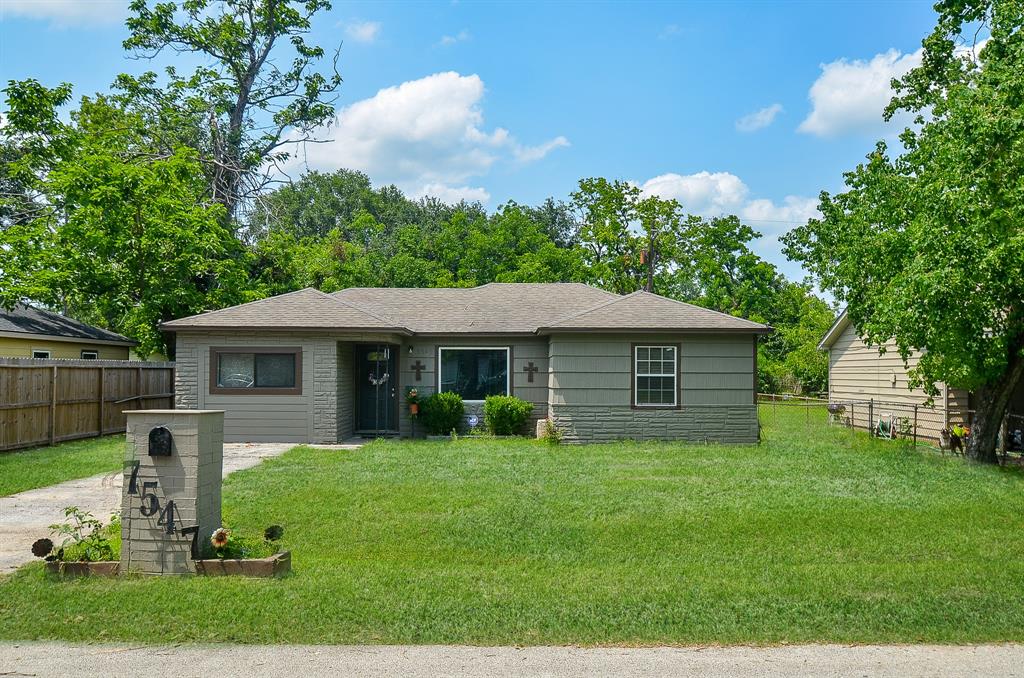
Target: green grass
column 815, row 535
column 41, row 466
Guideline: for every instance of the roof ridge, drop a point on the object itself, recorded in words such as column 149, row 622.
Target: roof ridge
column 247, row 303
column 702, row 308
column 338, row 300
column 618, row 298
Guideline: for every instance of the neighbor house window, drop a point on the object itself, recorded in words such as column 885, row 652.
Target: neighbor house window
column 474, row 373
column 90, row 355
column 40, row 354
column 258, row 371
column 655, row 373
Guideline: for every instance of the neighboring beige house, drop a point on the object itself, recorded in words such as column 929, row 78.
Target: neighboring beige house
column 859, row 374
column 29, row 332
column 310, row 366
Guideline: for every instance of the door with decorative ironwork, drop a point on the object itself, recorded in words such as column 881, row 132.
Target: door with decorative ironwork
column 377, row 388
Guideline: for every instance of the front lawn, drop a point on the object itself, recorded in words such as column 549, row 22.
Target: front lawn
column 41, row 466
column 815, row 535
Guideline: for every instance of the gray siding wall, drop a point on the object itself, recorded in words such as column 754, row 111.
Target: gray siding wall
column 524, row 351
column 322, row 413
column 858, row 373
column 590, row 381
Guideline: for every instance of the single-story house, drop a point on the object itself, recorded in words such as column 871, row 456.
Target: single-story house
column 29, row 332
column 862, row 378
column 311, row 366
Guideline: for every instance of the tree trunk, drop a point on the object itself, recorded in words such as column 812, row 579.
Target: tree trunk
column 992, row 400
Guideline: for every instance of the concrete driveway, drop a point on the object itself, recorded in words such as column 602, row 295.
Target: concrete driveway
column 227, row 661
column 27, row 516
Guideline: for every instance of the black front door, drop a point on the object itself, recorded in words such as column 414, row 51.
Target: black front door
column 376, row 387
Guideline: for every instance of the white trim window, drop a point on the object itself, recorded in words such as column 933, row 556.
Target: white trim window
column 40, row 354
column 90, row 355
column 474, row 372
column 655, row 375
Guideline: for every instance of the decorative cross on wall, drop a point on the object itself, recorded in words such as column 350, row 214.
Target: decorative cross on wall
column 530, row 369
column 418, row 368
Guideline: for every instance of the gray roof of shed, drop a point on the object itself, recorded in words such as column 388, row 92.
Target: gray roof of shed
column 495, row 308
column 25, row 319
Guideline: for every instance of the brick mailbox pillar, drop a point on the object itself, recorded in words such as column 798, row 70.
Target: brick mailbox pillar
column 170, row 500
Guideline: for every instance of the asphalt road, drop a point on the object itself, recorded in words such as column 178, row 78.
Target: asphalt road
column 229, row 661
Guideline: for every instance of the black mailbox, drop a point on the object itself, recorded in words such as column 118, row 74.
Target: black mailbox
column 159, row 442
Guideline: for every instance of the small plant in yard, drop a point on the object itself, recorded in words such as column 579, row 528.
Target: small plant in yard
column 506, row 415
column 551, row 433
column 84, row 538
column 442, row 413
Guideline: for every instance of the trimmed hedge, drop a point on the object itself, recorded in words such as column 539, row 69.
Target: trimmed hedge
column 442, row 413
column 506, row 415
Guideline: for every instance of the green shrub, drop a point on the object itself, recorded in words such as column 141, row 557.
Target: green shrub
column 506, row 415
column 442, row 413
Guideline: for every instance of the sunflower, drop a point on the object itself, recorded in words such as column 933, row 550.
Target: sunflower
column 42, row 548
column 219, row 538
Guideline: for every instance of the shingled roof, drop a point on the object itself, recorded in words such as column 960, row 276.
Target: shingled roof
column 495, row 308
column 25, row 319
column 306, row 309
column 646, row 311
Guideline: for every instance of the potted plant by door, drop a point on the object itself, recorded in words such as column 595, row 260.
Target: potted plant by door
column 412, row 397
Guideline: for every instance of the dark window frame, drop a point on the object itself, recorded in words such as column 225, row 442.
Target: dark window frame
column 678, row 390
column 216, row 351
column 447, row 347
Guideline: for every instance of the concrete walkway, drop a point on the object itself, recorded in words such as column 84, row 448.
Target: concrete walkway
column 227, row 661
column 27, row 516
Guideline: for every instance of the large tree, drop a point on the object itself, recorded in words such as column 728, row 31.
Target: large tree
column 927, row 247
column 256, row 96
column 119, row 233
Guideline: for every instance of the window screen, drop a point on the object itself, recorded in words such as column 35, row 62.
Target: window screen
column 256, row 370
column 655, row 373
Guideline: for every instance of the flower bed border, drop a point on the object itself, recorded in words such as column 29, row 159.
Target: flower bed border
column 83, row 568
column 276, row 565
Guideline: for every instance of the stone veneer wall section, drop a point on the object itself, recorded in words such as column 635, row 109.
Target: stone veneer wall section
column 698, row 423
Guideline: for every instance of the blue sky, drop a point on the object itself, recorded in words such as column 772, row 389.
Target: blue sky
column 743, row 107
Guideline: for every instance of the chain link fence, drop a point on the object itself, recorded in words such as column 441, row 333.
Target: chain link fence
column 913, row 423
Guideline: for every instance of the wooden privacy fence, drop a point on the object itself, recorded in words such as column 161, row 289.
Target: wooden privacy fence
column 48, row 401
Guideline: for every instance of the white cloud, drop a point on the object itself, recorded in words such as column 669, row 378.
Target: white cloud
column 707, row 193
column 453, row 194
column 849, row 96
column 363, row 31
column 423, row 134
column 66, row 13
column 527, row 154
column 461, row 36
column 758, row 119
column 712, row 194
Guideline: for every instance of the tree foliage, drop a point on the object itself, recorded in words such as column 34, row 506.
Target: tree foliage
column 246, row 105
column 926, row 247
column 118, row 233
